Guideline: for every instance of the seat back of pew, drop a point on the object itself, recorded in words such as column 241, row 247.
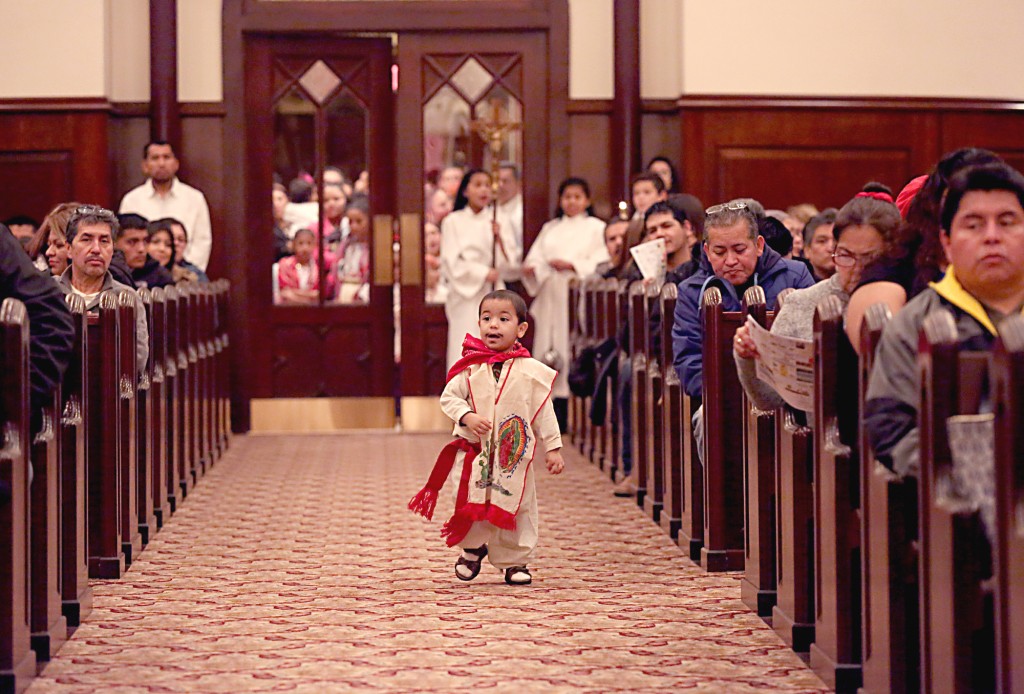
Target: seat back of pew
column 106, row 555
column 576, row 411
column 603, row 325
column 793, row 614
column 17, row 660
column 75, row 591
column 957, row 654
column 1008, row 397
column 891, row 643
column 186, row 424
column 654, row 411
column 144, row 458
column 610, row 447
column 835, row 653
column 131, row 539
column 173, row 385
column 222, row 287
column 672, row 420
column 723, row 442
column 757, row 588
column 188, row 305
column 156, row 425
column 589, row 330
column 49, row 627
column 639, row 394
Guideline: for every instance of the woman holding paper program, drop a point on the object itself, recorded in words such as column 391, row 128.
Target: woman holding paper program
column 864, row 229
column 570, row 245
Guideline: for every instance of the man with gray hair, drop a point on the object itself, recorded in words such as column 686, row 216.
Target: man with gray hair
column 734, row 259
column 91, row 234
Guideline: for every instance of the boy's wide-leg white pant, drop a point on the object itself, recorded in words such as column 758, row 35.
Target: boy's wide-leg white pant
column 507, row 548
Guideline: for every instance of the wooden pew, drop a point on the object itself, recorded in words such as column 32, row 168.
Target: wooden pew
column 602, row 328
column 793, row 614
column 891, row 642
column 156, row 404
column 17, row 659
column 957, row 654
column 145, row 459
column 75, row 591
column 176, row 486
column 589, row 337
column 610, row 445
column 723, row 424
column 1008, row 396
column 576, row 411
column 106, row 554
column 206, row 356
column 691, row 508
column 757, row 588
column 177, row 333
column 222, row 287
column 188, row 306
column 128, row 380
column 835, row 653
column 654, row 414
column 639, row 395
column 48, row 624
column 621, row 312
column 671, row 420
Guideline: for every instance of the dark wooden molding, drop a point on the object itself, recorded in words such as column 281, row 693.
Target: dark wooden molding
column 187, row 109
column 598, row 107
column 714, row 101
column 413, row 15
column 625, row 125
column 54, row 104
column 165, row 118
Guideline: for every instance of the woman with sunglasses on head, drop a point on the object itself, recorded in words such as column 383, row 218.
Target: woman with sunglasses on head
column 865, row 228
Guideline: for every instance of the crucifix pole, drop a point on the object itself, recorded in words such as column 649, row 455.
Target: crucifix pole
column 493, row 131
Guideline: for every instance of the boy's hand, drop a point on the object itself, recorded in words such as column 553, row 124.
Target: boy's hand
column 477, row 424
column 554, row 462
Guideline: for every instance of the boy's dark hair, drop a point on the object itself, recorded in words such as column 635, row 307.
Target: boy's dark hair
column 506, row 295
column 826, row 216
column 657, row 181
column 157, row 143
column 988, row 178
column 130, row 220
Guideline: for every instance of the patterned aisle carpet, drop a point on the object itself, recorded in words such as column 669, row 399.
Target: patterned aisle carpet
column 294, row 566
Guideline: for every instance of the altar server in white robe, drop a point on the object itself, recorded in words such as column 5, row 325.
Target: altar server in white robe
column 470, row 242
column 570, row 245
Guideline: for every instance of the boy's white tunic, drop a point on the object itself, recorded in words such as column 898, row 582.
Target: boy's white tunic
column 524, row 428
column 580, row 241
column 466, row 250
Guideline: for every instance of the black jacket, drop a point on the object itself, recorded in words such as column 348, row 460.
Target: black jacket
column 52, row 331
column 152, row 274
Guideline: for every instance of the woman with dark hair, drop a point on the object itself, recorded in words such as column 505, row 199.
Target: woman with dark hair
column 916, row 257
column 664, row 167
column 50, row 240
column 864, row 230
column 180, row 244
column 477, row 251
column 571, row 245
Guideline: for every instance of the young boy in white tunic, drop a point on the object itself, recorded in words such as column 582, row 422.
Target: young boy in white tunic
column 477, row 253
column 500, row 399
column 570, row 245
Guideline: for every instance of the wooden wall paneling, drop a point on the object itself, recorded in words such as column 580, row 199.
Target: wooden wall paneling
column 1001, row 132
column 589, row 148
column 660, row 135
column 204, row 166
column 51, row 153
column 782, row 156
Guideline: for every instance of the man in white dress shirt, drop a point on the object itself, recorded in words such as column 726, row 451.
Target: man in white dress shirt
column 163, row 195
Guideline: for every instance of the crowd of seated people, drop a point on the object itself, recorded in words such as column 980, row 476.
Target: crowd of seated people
column 342, row 236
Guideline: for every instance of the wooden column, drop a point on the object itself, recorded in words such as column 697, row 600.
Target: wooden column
column 625, row 126
column 164, row 118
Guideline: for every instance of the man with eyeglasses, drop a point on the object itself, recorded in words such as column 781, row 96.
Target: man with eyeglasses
column 91, row 234
column 982, row 234
column 735, row 258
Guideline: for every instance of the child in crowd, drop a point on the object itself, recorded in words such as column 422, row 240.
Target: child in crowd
column 570, row 245
column 500, row 399
column 298, row 275
column 646, row 189
column 354, row 254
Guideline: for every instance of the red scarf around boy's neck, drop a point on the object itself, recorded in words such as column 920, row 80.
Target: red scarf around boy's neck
column 474, row 351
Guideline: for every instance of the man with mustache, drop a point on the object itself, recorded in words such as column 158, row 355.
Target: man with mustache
column 982, row 234
column 92, row 232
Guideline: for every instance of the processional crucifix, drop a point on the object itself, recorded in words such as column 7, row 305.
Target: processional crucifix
column 493, row 131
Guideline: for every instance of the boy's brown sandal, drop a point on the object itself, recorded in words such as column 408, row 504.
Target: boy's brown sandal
column 518, row 576
column 472, row 565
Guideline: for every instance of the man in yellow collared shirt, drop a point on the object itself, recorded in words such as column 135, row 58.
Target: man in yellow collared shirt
column 983, row 238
